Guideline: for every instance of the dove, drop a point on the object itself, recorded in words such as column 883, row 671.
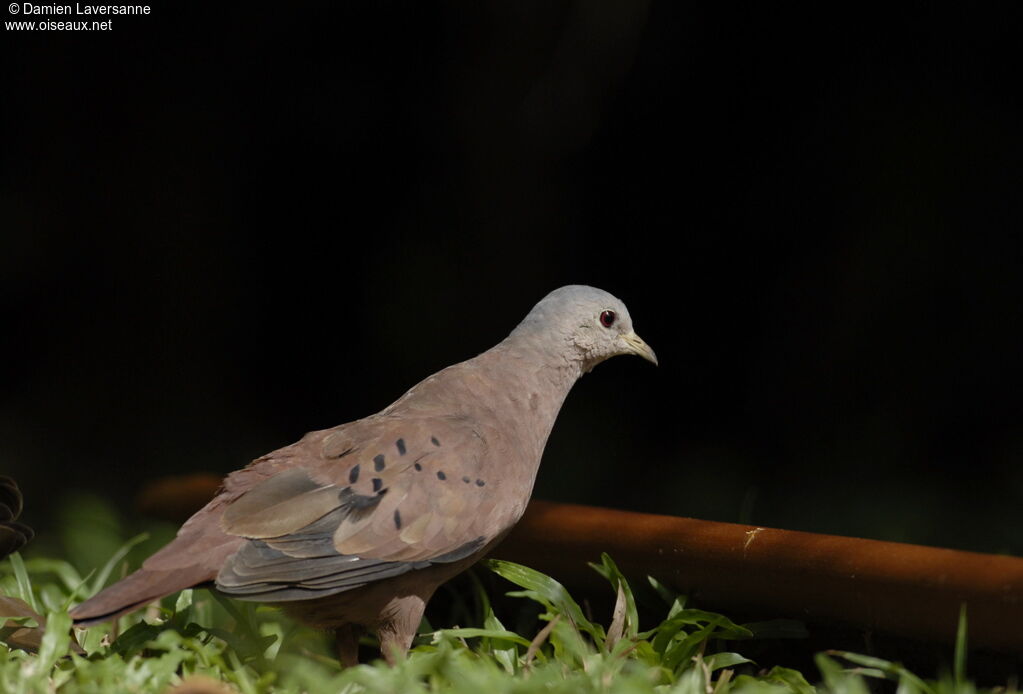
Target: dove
column 353, row 528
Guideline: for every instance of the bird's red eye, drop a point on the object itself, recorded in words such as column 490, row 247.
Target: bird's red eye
column 607, row 318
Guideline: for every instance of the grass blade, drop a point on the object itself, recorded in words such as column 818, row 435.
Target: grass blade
column 959, row 661
column 884, row 669
column 609, row 570
column 472, row 633
column 24, row 583
column 723, row 660
column 55, row 641
column 101, row 578
column 549, row 591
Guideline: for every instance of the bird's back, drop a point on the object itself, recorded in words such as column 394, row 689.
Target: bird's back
column 430, row 480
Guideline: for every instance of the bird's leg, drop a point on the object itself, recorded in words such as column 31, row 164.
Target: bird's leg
column 346, row 641
column 397, row 632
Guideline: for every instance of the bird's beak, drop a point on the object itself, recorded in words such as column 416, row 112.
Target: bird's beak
column 638, row 347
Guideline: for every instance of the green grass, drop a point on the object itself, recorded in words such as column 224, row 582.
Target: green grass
column 257, row 649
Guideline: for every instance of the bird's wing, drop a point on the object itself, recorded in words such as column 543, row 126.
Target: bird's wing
column 367, row 501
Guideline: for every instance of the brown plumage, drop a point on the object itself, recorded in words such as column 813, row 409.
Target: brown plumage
column 13, row 535
column 354, row 527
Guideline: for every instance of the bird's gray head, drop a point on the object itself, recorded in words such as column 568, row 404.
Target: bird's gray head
column 585, row 324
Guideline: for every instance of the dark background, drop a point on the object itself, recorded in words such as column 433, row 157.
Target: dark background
column 221, row 228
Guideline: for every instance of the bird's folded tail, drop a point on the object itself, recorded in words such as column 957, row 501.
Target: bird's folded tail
column 142, row 587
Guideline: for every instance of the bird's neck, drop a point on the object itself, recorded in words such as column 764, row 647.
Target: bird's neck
column 540, row 379
column 520, row 382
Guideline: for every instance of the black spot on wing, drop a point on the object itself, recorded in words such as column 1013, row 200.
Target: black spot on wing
column 441, row 475
column 378, row 462
column 417, row 466
column 400, row 444
column 397, row 519
column 357, row 502
column 377, row 484
column 353, row 475
column 466, row 479
column 480, row 483
column 434, row 441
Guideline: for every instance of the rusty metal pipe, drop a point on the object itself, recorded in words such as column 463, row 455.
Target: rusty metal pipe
column 899, row 588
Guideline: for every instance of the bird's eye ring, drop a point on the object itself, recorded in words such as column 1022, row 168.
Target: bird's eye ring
column 607, row 318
